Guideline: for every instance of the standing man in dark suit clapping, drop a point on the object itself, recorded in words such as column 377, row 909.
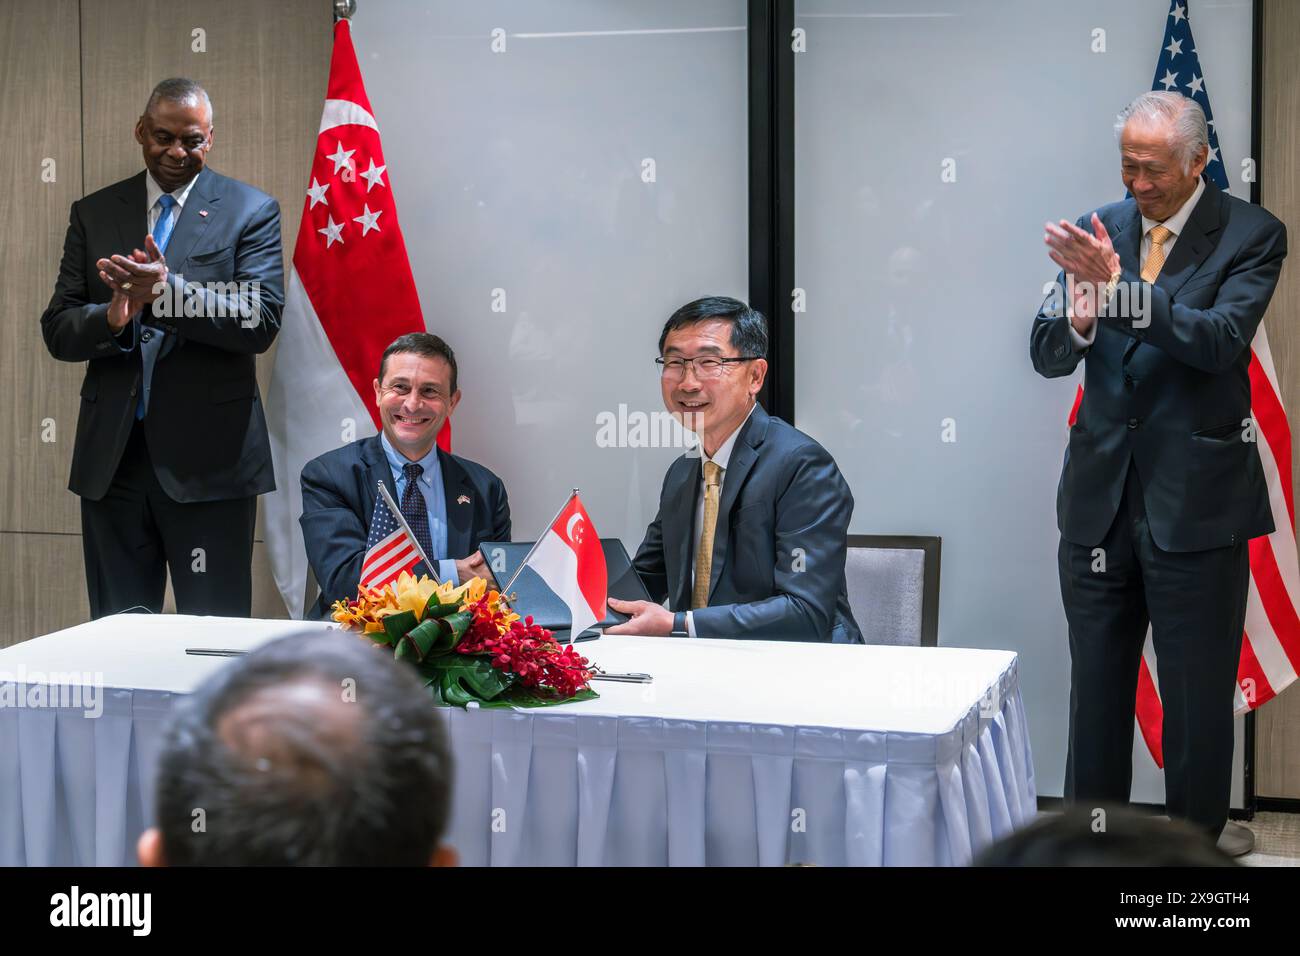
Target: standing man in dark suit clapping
column 171, row 283
column 1162, row 487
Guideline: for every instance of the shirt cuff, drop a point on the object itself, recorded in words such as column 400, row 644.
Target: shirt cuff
column 447, row 572
column 1081, row 343
column 690, row 623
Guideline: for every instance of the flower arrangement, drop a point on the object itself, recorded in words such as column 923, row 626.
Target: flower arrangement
column 467, row 643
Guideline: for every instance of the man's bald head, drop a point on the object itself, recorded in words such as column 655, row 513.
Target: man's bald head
column 312, row 750
column 175, row 132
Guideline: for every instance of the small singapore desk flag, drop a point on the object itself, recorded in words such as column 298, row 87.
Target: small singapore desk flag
column 569, row 558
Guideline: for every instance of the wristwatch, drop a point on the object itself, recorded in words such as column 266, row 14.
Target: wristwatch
column 1109, row 290
column 679, row 625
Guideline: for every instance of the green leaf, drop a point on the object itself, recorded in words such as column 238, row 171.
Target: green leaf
column 454, row 694
column 457, row 679
column 435, row 692
column 459, row 624
column 462, row 679
column 429, row 638
column 398, row 624
column 539, row 697
column 478, row 675
column 435, row 609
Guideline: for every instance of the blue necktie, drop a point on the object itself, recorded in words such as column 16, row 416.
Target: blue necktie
column 416, row 511
column 150, row 338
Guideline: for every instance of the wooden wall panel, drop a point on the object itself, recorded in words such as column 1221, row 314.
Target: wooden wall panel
column 1277, row 745
column 45, row 590
column 40, row 113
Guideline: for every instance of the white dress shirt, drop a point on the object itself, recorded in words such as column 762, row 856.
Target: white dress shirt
column 1174, row 224
column 153, row 192
column 720, row 458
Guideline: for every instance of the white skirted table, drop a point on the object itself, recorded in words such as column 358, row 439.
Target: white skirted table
column 739, row 752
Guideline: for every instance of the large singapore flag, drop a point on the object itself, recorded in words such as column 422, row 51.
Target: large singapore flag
column 350, row 294
column 571, row 562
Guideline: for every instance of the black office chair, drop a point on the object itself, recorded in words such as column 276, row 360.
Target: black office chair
column 893, row 585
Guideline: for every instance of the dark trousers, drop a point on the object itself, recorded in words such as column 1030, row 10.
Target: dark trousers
column 1195, row 603
column 135, row 532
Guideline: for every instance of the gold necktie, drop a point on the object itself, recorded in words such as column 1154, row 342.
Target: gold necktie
column 704, row 553
column 1156, row 257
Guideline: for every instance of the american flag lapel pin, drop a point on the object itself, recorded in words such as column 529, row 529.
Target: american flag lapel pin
column 203, row 212
column 463, row 500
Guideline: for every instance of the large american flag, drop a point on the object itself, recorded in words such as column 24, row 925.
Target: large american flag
column 389, row 549
column 1270, row 648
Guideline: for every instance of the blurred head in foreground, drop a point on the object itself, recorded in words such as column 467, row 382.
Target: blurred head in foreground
column 312, row 750
column 1105, row 836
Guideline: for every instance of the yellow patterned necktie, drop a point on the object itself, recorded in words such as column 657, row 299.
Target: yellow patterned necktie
column 1156, row 257
column 704, row 553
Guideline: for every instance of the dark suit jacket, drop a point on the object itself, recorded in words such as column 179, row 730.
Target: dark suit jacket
column 338, row 501
column 1172, row 397
column 778, row 548
column 205, row 428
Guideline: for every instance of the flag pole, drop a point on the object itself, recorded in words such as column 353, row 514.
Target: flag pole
column 401, row 519
column 524, row 562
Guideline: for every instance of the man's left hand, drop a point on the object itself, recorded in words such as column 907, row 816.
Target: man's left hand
column 648, row 619
column 1089, row 257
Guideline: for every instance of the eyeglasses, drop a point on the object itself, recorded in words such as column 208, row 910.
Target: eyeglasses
column 706, row 366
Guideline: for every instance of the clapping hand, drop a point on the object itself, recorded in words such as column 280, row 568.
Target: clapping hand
column 138, row 276
column 1088, row 257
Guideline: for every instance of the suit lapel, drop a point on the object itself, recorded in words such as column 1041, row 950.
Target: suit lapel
column 743, row 455
column 1194, row 244
column 204, row 197
column 679, row 500
column 134, row 220
column 459, row 492
column 1127, row 239
column 377, row 470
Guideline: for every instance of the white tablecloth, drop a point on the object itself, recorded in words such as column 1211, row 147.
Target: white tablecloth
column 740, row 752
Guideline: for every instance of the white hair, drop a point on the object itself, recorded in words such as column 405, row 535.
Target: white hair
column 1188, row 132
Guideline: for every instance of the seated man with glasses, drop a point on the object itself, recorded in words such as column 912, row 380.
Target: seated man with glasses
column 749, row 541
column 450, row 503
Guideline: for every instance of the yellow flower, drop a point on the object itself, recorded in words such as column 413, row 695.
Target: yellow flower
column 450, row 593
column 372, row 605
column 413, row 595
column 474, row 589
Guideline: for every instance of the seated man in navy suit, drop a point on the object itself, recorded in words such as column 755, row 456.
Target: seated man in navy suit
column 450, row 503
column 750, row 538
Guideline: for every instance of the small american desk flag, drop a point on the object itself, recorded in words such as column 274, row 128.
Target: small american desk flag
column 389, row 549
